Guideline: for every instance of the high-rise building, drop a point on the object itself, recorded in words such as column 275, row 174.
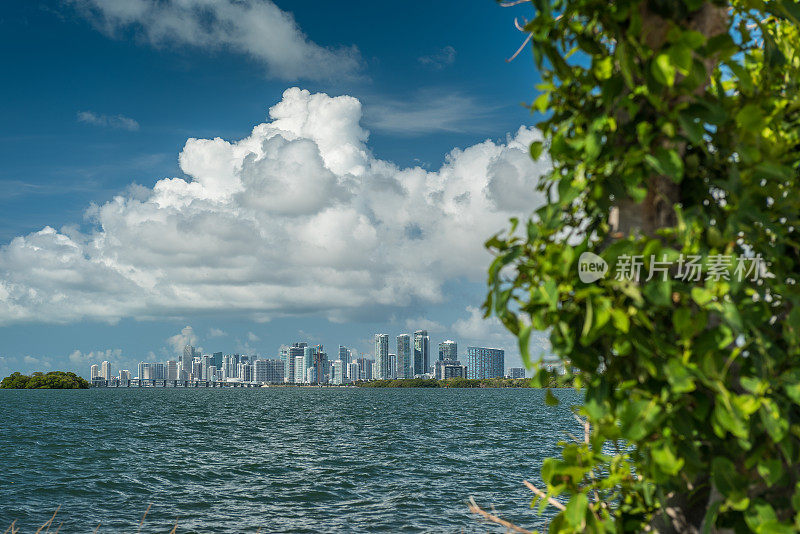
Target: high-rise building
column 245, row 372
column 157, row 371
column 338, row 375
column 216, row 360
column 392, row 366
column 94, row 372
column 352, row 371
column 444, row 369
column 105, row 370
column 205, row 362
column 297, row 349
column 187, row 358
column 212, row 372
column 268, row 371
column 320, row 363
column 448, row 350
column 364, row 368
column 484, row 362
column 142, row 368
column 172, row 370
column 516, row 372
column 124, row 375
column 422, row 358
column 299, row 372
column 346, row 356
column 405, row 367
column 382, row 356
column 309, row 356
column 197, row 369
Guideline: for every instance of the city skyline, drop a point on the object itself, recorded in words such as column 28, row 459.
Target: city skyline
column 208, row 183
column 193, row 363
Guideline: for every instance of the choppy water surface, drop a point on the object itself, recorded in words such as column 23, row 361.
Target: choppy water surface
column 279, row 459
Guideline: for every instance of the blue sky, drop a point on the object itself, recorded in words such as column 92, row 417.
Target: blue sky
column 376, row 233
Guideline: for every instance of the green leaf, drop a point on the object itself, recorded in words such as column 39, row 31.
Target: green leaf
column 666, row 460
column 602, row 68
column 536, row 149
column 701, row 296
column 666, row 162
column 524, row 344
column 750, row 117
column 681, row 57
column 550, row 399
column 541, row 102
column 777, row 425
column 663, row 70
column 679, row 377
column 575, row 512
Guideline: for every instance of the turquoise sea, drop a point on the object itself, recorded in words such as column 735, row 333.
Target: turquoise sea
column 275, row 459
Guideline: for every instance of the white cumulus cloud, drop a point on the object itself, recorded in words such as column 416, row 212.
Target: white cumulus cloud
column 297, row 218
column 256, row 28
column 179, row 341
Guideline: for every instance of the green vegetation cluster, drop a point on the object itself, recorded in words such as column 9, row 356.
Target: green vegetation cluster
column 673, row 128
column 449, row 383
column 51, row 380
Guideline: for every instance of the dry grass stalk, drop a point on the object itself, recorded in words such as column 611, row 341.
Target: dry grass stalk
column 50, row 522
column 474, row 508
column 145, row 515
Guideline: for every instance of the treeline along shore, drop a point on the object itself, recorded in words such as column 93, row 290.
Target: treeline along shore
column 38, row 380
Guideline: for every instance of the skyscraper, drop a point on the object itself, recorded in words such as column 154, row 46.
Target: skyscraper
column 157, row 371
column 483, row 362
column 268, row 371
column 216, row 360
column 345, row 357
column 392, row 366
column 299, row 372
column 172, row 370
column 94, row 372
column 364, row 368
column 144, row 367
column 405, row 368
column 321, row 365
column 187, row 358
column 105, row 370
column 297, row 349
column 309, row 354
column 422, row 359
column 448, row 350
column 382, row 356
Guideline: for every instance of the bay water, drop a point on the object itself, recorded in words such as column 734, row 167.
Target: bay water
column 279, row 459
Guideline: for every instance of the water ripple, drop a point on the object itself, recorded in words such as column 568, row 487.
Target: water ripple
column 279, row 459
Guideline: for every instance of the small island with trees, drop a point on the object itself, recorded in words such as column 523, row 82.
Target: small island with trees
column 39, row 380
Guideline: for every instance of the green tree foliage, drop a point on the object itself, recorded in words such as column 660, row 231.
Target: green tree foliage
column 51, row 380
column 673, row 128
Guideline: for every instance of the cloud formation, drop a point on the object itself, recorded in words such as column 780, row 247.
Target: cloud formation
column 429, row 112
column 109, row 121
column 256, row 28
column 297, row 218
column 441, row 59
column 179, row 341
